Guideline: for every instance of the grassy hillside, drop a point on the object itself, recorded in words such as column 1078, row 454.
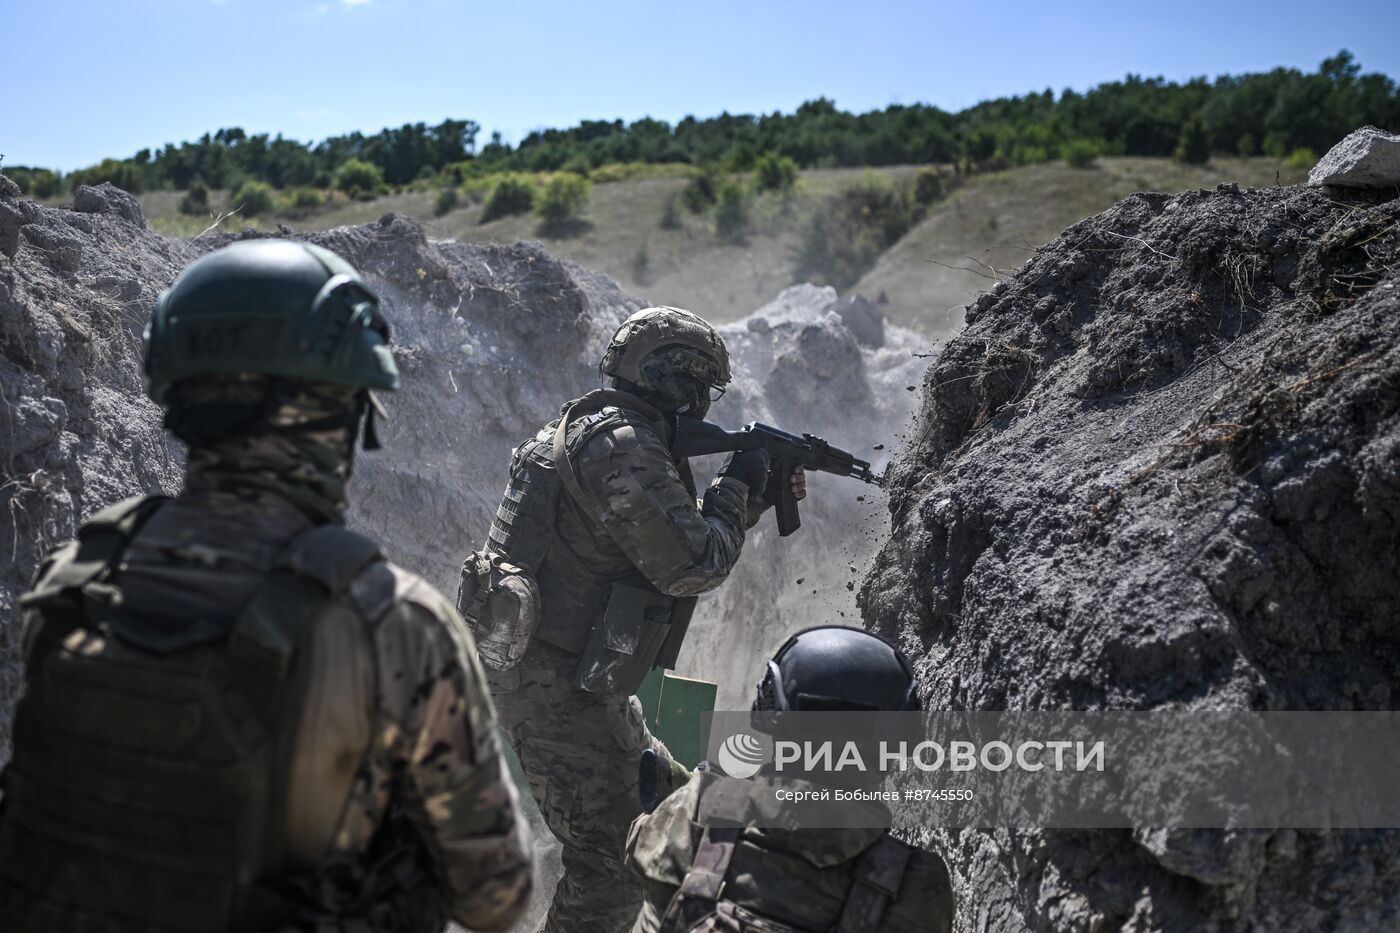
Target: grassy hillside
column 688, row 266
column 996, row 219
column 986, row 229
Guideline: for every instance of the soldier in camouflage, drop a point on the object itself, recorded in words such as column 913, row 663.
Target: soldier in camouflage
column 722, row 854
column 593, row 564
column 237, row 715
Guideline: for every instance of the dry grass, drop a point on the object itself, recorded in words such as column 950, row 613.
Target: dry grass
column 985, row 229
column 997, row 221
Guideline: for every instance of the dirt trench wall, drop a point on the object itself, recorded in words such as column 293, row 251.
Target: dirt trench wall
column 1161, row 469
column 76, row 430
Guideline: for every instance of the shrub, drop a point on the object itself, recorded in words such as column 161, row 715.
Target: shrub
column 773, row 172
column 35, row 182
column 510, row 194
column 306, row 199
column 1302, row 158
column 740, row 157
column 360, row 179
column 641, row 266
column 635, row 171
column 455, row 173
column 1275, row 144
column 1193, row 147
column 1031, row 155
column 928, row 186
column 702, row 191
column 196, row 199
column 1247, row 145
column 671, row 213
column 446, row 201
column 578, row 164
column 564, row 197
column 47, row 184
column 1080, row 153
column 847, row 232
column 252, row 198
column 732, row 213
column 477, row 189
column 124, row 175
column 233, row 180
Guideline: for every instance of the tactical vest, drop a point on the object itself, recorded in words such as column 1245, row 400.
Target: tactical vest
column 148, row 771
column 619, row 626
column 699, row 906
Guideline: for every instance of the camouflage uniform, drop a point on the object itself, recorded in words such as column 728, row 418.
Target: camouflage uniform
column 735, row 875
column 384, row 804
column 637, row 516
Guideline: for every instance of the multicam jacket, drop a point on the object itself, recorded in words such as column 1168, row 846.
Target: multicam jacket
column 633, row 515
column 715, row 856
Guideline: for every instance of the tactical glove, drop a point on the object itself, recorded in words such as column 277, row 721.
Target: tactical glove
column 657, row 777
column 749, row 467
column 649, row 781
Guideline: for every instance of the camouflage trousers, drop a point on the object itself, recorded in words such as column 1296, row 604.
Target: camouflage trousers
column 580, row 753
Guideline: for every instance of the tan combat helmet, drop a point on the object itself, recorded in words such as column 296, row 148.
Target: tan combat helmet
column 655, row 345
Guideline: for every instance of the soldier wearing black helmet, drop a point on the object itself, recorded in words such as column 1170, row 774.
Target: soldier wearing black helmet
column 587, row 581
column 238, row 716
column 714, row 856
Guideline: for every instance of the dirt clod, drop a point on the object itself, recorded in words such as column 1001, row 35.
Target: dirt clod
column 1367, row 158
column 107, row 198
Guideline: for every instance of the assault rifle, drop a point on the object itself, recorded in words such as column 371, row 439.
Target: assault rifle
column 695, row 438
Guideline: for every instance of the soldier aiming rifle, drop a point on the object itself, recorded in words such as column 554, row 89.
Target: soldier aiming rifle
column 588, row 580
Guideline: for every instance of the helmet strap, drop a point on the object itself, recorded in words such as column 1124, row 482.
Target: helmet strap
column 674, row 401
column 369, row 408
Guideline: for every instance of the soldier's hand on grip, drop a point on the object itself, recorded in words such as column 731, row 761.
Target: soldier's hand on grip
column 799, row 483
column 750, row 467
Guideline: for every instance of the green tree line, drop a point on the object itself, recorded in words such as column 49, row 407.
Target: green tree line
column 1274, row 113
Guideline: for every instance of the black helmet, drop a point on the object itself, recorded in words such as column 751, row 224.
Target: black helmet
column 836, row 668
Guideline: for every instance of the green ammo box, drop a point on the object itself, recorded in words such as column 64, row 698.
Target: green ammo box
column 675, row 708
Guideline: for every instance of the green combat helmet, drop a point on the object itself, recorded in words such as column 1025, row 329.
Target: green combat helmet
column 271, row 307
column 670, row 356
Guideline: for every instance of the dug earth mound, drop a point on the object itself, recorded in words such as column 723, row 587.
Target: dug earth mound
column 1160, row 469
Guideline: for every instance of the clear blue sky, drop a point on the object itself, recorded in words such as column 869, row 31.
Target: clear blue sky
column 84, row 79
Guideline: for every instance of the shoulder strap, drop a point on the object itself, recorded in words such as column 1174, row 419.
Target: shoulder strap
column 878, row 874
column 621, row 399
column 102, row 540
column 66, row 590
column 562, row 464
column 330, row 555
column 725, row 801
column 317, row 566
column 723, row 810
column 595, row 400
column 126, row 515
